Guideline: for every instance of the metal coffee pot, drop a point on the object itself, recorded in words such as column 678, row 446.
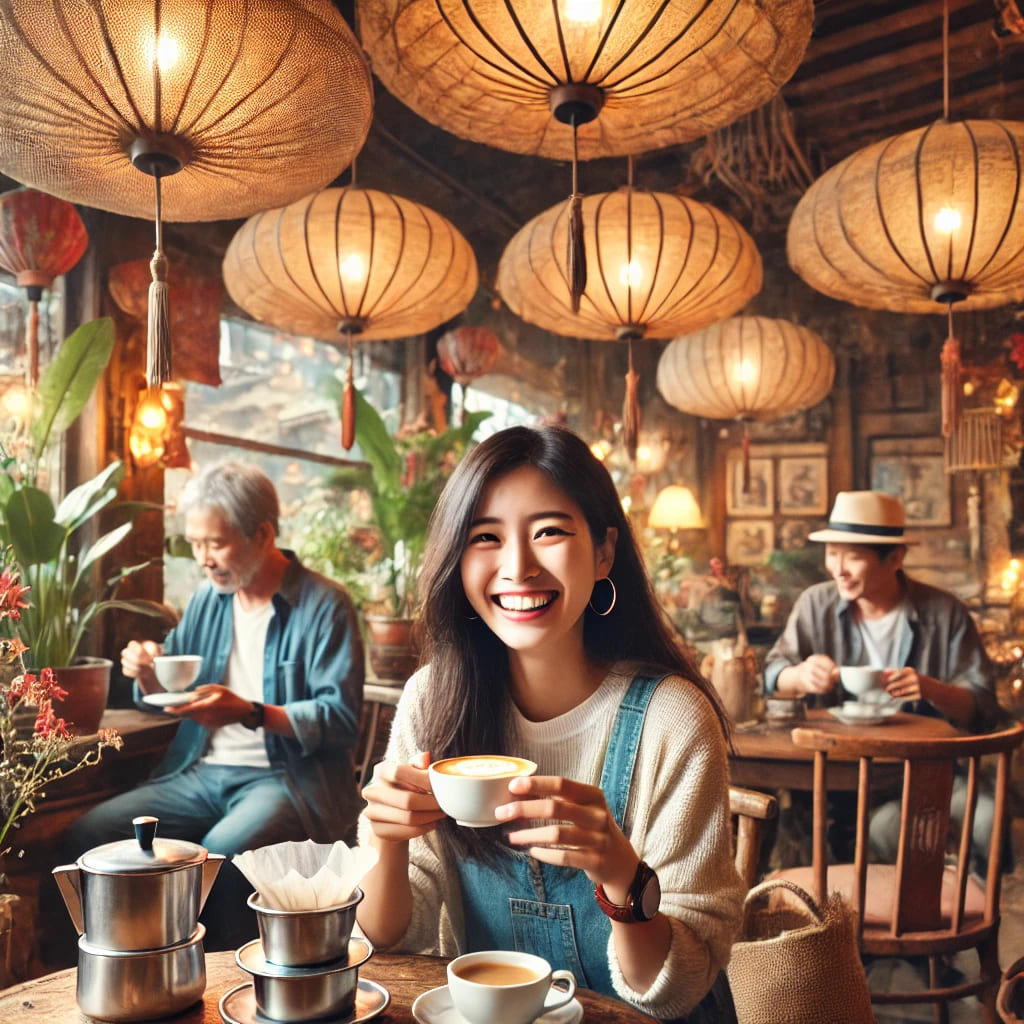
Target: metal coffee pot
column 138, row 894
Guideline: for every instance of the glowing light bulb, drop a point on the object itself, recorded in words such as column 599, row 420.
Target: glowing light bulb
column 17, row 402
column 585, row 11
column 947, row 220
column 631, row 274
column 745, row 371
column 152, row 415
column 352, row 268
column 601, row 449
column 165, row 53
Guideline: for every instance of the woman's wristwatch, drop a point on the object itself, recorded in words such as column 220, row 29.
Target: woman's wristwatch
column 642, row 900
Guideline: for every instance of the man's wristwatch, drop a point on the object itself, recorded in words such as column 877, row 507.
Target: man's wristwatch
column 642, row 901
column 254, row 720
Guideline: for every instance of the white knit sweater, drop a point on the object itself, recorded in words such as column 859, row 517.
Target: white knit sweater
column 677, row 819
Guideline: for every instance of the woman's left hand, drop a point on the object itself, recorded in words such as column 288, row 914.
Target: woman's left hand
column 579, row 830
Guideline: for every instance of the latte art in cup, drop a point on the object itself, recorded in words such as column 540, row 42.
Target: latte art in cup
column 484, row 767
column 469, row 788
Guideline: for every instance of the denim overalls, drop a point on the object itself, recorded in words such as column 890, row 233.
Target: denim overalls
column 551, row 910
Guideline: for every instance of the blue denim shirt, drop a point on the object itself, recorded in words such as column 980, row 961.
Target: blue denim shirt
column 939, row 640
column 312, row 665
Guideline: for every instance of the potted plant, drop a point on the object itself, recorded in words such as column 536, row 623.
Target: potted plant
column 53, row 548
column 405, row 477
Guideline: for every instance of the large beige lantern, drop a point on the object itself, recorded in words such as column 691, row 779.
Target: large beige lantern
column 348, row 263
column 919, row 221
column 746, row 368
column 659, row 264
column 644, row 75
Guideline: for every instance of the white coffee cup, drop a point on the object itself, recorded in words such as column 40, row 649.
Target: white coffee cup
column 860, row 679
column 469, row 788
column 177, row 672
column 502, row 985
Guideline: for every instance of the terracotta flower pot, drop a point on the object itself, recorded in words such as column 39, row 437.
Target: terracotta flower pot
column 394, row 654
column 88, row 686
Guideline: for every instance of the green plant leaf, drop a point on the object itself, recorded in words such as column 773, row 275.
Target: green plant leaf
column 66, row 384
column 82, row 503
column 32, row 529
column 106, row 543
column 376, row 444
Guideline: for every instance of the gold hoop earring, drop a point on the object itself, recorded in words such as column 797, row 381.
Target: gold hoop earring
column 611, row 603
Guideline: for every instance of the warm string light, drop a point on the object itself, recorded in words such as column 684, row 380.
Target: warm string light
column 1011, row 576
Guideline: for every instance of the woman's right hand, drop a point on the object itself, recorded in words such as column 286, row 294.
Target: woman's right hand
column 399, row 803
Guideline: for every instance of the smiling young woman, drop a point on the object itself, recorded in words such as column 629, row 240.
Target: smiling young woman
column 543, row 640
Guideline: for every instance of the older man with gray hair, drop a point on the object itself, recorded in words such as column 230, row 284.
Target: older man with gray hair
column 265, row 750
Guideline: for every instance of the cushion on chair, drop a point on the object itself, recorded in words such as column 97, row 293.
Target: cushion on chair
column 881, row 886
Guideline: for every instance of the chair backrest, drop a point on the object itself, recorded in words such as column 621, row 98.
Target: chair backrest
column 749, row 810
column 928, row 766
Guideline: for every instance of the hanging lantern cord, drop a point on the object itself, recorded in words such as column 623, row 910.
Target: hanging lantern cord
column 945, row 60
column 746, row 457
column 576, row 256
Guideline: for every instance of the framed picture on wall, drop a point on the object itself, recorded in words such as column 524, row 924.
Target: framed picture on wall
column 749, row 541
column 759, row 498
column 914, row 470
column 803, row 486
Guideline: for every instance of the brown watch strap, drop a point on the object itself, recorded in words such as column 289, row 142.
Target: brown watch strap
column 633, row 909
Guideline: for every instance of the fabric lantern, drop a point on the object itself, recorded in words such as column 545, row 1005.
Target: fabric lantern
column 635, row 76
column 239, row 106
column 41, row 238
column 918, row 221
column 349, row 263
column 625, row 76
column 746, row 368
column 664, row 264
column 466, row 353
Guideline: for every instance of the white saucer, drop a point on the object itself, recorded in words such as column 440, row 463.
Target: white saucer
column 435, row 1007
column 872, row 714
column 167, row 700
column 239, row 1005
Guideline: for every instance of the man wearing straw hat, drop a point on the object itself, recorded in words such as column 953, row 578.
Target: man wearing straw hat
column 872, row 613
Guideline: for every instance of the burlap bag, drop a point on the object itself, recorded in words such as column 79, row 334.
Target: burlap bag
column 796, row 963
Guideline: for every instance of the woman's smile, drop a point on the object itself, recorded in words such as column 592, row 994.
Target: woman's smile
column 535, row 601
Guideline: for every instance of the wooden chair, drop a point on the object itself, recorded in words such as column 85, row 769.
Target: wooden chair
column 927, row 904
column 749, row 810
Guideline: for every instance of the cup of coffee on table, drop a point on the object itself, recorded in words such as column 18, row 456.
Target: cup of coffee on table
column 176, row 672
column 469, row 788
column 864, row 682
column 502, row 985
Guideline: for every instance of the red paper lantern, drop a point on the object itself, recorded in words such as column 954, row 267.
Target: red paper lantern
column 467, row 352
column 41, row 237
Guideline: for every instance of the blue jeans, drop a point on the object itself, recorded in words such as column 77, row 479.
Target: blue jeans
column 224, row 808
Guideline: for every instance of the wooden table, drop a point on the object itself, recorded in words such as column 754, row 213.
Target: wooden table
column 51, row 999
column 767, row 759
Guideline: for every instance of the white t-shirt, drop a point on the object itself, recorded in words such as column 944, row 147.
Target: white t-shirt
column 234, row 744
column 882, row 636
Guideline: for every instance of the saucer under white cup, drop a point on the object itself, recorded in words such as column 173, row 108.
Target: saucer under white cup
column 436, row 1007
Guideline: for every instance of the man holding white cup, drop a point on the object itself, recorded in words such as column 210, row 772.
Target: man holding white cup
column 871, row 613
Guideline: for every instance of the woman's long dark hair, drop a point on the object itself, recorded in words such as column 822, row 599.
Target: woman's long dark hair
column 469, row 665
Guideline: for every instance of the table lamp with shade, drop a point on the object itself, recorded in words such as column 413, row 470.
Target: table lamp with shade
column 674, row 509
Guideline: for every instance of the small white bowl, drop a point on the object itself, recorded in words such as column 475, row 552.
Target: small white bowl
column 176, row 672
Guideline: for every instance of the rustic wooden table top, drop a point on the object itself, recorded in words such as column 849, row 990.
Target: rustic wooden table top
column 767, row 758
column 52, row 998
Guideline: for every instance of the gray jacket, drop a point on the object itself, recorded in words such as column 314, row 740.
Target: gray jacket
column 939, row 640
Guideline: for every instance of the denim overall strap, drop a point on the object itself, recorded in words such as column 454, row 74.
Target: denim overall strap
column 551, row 911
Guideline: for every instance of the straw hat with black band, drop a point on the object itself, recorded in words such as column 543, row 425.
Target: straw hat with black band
column 865, row 517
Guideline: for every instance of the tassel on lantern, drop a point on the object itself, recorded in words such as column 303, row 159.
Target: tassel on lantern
column 576, row 254
column 746, row 458
column 631, row 409
column 158, row 337
column 348, row 406
column 951, row 387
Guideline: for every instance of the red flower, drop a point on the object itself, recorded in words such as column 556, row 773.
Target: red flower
column 11, row 592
